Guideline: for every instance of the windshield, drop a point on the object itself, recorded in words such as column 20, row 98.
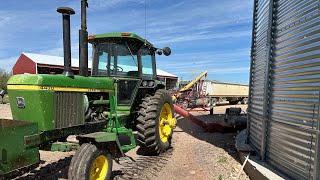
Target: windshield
column 121, row 59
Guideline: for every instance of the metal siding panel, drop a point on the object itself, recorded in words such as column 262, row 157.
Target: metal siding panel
column 259, row 54
column 290, row 150
column 255, row 131
column 293, row 117
column 286, row 167
column 257, row 77
column 295, row 84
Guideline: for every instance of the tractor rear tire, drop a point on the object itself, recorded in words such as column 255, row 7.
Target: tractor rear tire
column 154, row 137
column 91, row 163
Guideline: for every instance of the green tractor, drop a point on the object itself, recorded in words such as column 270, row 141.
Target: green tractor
column 121, row 95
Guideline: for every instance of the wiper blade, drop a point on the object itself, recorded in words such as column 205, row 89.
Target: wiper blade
column 134, row 60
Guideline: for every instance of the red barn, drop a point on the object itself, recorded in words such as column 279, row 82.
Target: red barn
column 45, row 64
column 42, row 64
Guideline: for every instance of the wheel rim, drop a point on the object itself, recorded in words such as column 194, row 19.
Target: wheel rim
column 99, row 168
column 164, row 128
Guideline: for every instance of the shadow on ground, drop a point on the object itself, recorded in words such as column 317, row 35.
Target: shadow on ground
column 224, row 140
column 53, row 171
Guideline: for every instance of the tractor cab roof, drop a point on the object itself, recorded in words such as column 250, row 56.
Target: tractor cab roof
column 116, row 35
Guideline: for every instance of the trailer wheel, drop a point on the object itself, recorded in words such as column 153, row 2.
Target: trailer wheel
column 244, row 101
column 154, row 132
column 233, row 102
column 90, row 163
column 213, row 102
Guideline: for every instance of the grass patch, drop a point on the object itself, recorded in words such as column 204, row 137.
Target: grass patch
column 222, row 160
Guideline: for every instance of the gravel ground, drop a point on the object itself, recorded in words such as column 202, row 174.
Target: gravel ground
column 5, row 112
column 195, row 155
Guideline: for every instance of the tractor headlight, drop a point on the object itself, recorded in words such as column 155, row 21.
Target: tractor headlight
column 151, row 83
column 144, row 83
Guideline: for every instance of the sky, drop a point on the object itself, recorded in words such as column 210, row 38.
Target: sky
column 211, row 35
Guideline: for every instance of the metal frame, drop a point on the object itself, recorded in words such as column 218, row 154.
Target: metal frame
column 186, row 99
column 267, row 81
column 251, row 66
column 316, row 166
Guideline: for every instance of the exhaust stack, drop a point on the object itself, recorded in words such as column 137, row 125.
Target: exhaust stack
column 66, row 12
column 83, row 41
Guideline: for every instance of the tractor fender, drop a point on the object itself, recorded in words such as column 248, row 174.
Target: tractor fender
column 103, row 140
column 160, row 86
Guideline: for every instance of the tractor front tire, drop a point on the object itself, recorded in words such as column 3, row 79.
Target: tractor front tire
column 154, row 135
column 90, row 163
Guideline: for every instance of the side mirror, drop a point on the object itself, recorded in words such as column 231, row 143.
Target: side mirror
column 166, row 51
column 159, row 52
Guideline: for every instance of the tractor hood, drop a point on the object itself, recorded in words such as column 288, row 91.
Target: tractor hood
column 54, row 101
column 58, row 82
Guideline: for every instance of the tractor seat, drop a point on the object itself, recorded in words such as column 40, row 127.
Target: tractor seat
column 133, row 73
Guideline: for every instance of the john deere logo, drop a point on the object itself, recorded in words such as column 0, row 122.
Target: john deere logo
column 20, row 102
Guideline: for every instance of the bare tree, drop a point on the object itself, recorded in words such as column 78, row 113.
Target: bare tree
column 4, row 77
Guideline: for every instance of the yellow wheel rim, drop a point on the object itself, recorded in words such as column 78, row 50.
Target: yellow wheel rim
column 99, row 168
column 164, row 128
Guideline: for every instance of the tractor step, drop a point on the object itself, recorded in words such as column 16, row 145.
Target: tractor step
column 128, row 147
column 129, row 133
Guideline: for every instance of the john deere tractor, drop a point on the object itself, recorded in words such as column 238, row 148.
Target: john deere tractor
column 122, row 94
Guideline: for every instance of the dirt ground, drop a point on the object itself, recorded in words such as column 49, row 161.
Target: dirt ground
column 195, row 155
column 5, row 112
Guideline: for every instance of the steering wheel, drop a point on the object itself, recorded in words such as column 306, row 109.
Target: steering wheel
column 119, row 69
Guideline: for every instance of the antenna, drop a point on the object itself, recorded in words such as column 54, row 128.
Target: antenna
column 145, row 22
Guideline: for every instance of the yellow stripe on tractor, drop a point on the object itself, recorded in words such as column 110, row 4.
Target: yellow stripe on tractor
column 56, row 88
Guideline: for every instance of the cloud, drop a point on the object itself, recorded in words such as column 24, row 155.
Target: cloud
column 4, row 20
column 203, row 36
column 25, row 29
column 207, row 34
column 96, row 4
column 219, row 64
column 236, row 70
column 206, row 58
column 177, row 5
column 8, row 63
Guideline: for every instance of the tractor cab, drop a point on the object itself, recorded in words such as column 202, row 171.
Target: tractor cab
column 122, row 55
column 127, row 58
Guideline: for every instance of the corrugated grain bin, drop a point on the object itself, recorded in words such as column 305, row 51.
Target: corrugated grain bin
column 284, row 86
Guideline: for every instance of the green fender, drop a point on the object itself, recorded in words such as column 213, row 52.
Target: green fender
column 103, row 140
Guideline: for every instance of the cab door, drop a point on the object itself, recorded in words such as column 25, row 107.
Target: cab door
column 127, row 89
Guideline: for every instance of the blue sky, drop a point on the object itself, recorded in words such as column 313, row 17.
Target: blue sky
column 210, row 35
